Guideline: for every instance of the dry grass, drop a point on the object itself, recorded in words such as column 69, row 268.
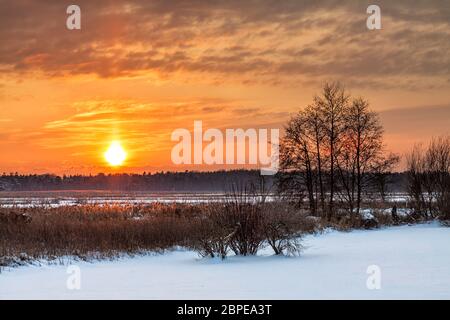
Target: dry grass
column 94, row 231
column 106, row 231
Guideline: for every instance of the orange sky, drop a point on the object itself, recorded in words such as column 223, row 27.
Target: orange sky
column 140, row 69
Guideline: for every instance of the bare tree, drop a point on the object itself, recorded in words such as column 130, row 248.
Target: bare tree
column 416, row 172
column 332, row 106
column 315, row 125
column 361, row 153
column 296, row 154
column 429, row 178
column 438, row 165
column 381, row 172
column 335, row 145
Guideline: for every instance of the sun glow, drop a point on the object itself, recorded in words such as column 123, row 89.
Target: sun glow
column 115, row 155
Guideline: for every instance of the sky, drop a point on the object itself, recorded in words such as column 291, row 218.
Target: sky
column 138, row 70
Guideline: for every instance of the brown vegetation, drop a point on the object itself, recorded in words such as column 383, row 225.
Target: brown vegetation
column 94, row 230
column 429, row 179
column 241, row 225
column 103, row 231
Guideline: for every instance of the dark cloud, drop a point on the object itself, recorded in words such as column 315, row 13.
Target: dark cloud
column 276, row 42
column 212, row 109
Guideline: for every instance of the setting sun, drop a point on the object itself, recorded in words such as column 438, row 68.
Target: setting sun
column 115, row 155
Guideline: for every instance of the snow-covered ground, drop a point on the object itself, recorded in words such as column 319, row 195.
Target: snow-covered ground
column 414, row 262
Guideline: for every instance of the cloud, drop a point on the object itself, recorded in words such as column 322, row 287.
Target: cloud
column 426, row 121
column 266, row 41
column 142, row 125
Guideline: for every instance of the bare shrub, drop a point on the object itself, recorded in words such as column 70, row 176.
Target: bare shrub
column 214, row 231
column 283, row 228
column 244, row 228
column 445, row 208
column 385, row 219
column 247, row 219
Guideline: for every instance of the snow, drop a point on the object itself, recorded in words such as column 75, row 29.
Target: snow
column 401, row 212
column 414, row 263
column 53, row 199
column 366, row 214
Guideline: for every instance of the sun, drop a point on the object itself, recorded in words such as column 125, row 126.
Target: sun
column 115, row 155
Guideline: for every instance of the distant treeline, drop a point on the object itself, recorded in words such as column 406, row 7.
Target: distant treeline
column 189, row 181
column 162, row 181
